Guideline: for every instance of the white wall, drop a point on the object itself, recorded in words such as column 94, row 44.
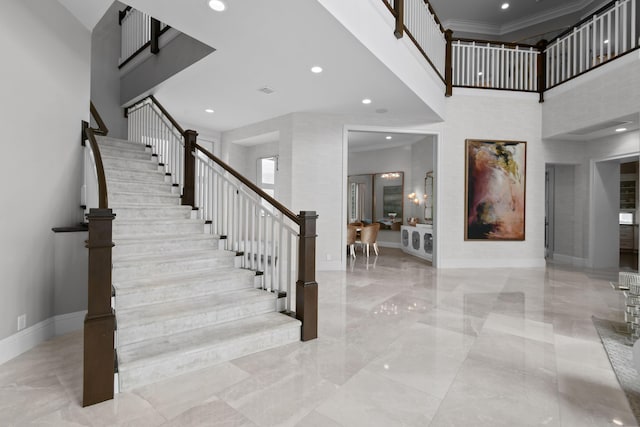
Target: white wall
column 605, row 231
column 494, row 116
column 595, row 97
column 45, row 94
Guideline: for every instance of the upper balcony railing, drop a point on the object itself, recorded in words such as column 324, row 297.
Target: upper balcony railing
column 494, row 65
column 139, row 31
column 421, row 24
column 609, row 33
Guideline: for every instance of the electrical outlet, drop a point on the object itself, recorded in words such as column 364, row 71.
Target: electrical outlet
column 22, row 322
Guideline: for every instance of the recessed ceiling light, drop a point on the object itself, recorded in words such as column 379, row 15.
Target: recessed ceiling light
column 617, row 422
column 316, row 69
column 504, row 6
column 366, row 101
column 621, row 129
column 217, row 5
column 208, row 110
column 388, row 137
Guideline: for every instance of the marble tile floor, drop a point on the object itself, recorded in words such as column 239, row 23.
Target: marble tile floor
column 401, row 344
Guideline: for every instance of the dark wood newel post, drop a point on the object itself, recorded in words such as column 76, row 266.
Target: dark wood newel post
column 448, row 63
column 188, row 192
column 155, row 36
column 399, row 12
column 306, row 286
column 99, row 323
column 542, row 68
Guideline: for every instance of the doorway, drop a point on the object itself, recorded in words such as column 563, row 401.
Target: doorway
column 399, row 166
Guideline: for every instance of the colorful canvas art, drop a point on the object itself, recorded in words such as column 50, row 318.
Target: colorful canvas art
column 495, row 190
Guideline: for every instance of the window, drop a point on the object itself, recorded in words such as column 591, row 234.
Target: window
column 267, row 168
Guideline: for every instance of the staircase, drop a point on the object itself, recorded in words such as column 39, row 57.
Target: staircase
column 182, row 302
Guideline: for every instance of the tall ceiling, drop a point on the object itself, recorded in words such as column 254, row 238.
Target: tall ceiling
column 274, row 44
column 523, row 20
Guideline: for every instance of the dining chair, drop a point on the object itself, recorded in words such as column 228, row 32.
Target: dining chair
column 352, row 232
column 369, row 236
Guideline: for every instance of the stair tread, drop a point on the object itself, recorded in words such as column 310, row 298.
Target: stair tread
column 136, row 316
column 111, row 138
column 184, row 277
column 159, row 221
column 134, row 238
column 158, row 349
column 132, row 147
column 175, row 256
column 134, row 193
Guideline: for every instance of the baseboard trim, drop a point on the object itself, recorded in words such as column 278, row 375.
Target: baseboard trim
column 396, row 245
column 571, row 260
column 491, row 263
column 30, row 337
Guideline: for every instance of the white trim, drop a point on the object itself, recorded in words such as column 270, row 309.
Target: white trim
column 571, row 260
column 396, row 245
column 26, row 339
column 495, row 93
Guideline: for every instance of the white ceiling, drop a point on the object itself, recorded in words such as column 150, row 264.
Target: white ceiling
column 369, row 141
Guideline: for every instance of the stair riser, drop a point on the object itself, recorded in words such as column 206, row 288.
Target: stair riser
column 145, row 187
column 125, row 154
column 128, row 334
column 131, row 298
column 158, row 199
column 132, row 377
column 124, row 229
column 136, row 165
column 168, row 267
column 168, row 212
column 125, row 250
column 154, row 176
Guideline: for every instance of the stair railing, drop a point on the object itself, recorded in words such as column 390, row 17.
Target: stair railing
column 609, row 33
column 495, row 65
column 272, row 240
column 138, row 31
column 99, row 322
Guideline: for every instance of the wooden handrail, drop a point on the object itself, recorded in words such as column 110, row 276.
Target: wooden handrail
column 90, row 133
column 279, row 206
column 493, row 42
column 103, row 198
column 102, row 127
column 435, row 15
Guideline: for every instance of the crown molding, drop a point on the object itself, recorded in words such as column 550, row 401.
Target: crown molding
column 500, row 30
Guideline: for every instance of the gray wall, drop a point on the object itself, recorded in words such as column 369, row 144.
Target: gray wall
column 105, row 76
column 45, row 94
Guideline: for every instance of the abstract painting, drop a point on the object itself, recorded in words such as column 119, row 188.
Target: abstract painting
column 495, row 190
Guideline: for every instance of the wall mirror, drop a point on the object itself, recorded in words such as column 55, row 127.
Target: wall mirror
column 376, row 197
column 360, row 190
column 388, row 199
column 428, row 198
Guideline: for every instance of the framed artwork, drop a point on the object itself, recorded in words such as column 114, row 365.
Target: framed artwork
column 495, row 190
